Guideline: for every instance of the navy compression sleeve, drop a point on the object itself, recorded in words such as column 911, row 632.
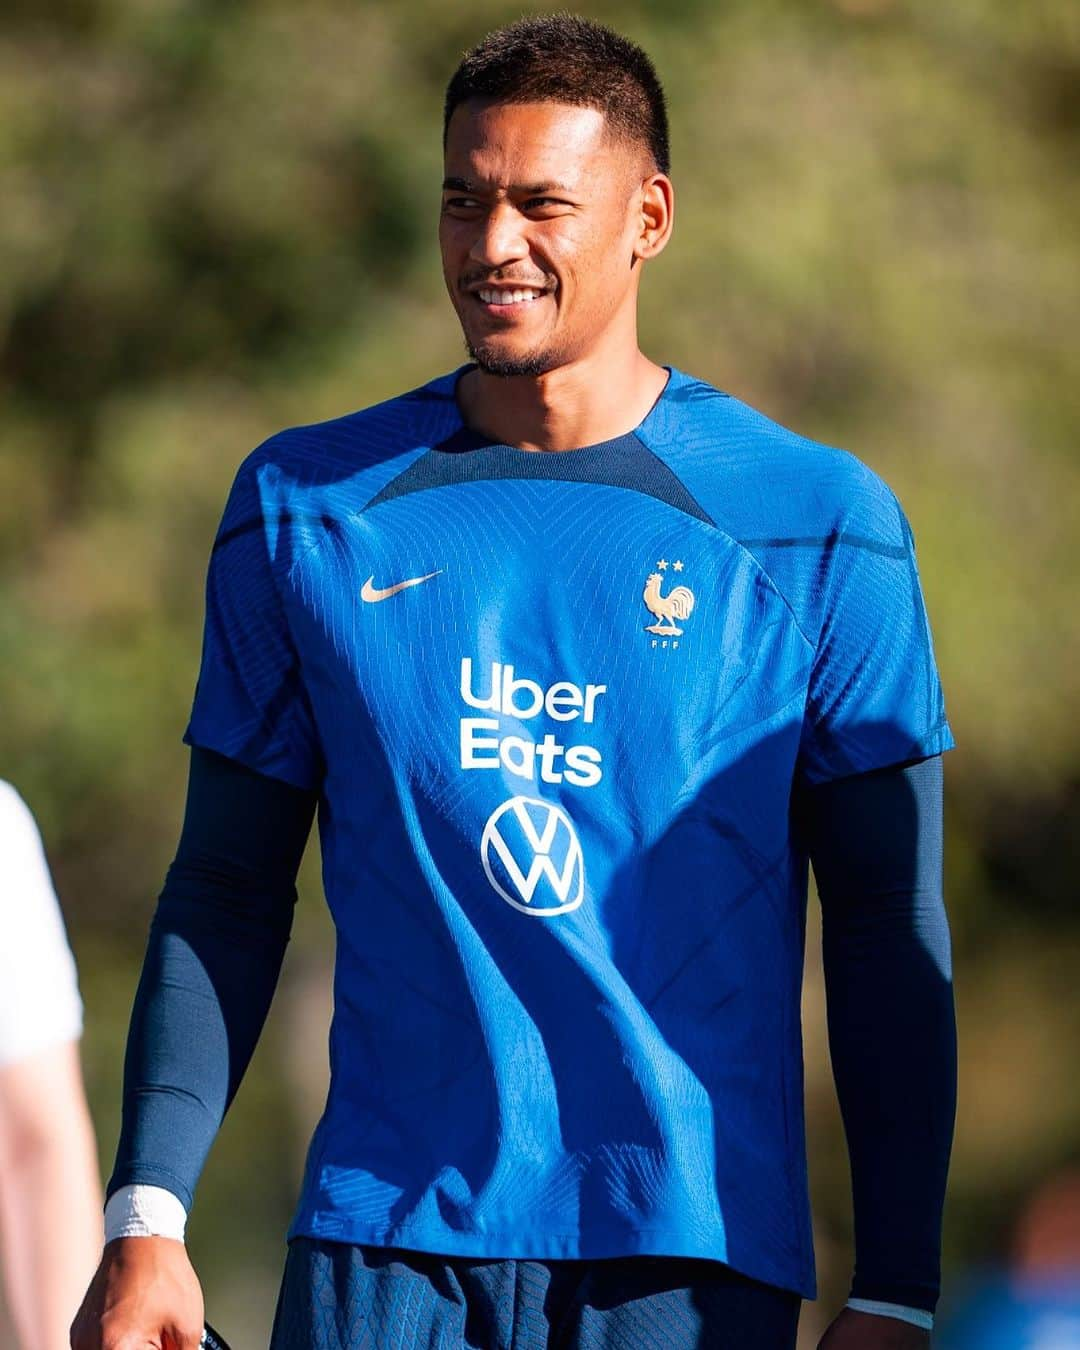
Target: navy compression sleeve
column 875, row 841
column 212, row 961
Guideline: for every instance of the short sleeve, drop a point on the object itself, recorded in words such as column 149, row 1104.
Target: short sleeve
column 874, row 697
column 250, row 701
column 39, row 995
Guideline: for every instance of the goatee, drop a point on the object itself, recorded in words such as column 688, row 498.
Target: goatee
column 507, row 367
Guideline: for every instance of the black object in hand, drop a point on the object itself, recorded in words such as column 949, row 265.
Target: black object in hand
column 211, row 1340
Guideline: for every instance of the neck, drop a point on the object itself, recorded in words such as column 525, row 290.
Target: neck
column 594, row 399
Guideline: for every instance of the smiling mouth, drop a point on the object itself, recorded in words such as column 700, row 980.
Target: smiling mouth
column 503, row 296
column 502, row 301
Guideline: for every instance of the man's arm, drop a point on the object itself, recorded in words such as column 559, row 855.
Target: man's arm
column 212, row 963
column 876, row 844
column 50, row 1192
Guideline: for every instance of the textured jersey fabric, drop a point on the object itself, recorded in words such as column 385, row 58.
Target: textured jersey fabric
column 875, row 843
column 39, row 996
column 555, row 706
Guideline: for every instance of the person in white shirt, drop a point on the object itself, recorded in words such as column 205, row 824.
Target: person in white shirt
column 50, row 1186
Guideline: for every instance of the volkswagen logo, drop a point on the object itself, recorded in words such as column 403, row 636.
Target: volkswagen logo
column 532, row 857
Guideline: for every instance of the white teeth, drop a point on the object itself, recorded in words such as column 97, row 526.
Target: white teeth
column 500, row 297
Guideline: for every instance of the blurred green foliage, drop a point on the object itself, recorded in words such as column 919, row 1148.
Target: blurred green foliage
column 219, row 219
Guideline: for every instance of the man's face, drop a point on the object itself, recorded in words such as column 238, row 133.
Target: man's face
column 540, row 215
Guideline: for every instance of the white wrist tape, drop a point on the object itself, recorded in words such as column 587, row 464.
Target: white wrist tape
column 144, row 1211
column 916, row 1316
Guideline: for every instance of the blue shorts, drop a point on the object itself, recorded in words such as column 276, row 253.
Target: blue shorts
column 340, row 1297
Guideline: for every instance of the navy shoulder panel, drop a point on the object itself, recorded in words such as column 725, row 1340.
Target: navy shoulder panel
column 465, row 457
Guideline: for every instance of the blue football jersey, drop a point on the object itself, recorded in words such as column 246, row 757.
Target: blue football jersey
column 555, row 705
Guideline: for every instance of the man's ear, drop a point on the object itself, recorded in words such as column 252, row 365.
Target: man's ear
column 657, row 216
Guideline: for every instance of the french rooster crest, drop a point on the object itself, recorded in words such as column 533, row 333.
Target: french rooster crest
column 677, row 604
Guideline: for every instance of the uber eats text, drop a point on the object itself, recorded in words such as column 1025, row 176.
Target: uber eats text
column 546, row 760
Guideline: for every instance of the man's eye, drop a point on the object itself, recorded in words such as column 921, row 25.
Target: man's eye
column 461, row 203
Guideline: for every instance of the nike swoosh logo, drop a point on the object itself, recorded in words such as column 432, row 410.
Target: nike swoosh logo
column 372, row 594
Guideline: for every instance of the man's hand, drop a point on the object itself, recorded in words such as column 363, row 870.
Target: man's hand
column 867, row 1331
column 145, row 1296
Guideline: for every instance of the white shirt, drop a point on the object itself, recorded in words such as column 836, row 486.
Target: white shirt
column 39, row 995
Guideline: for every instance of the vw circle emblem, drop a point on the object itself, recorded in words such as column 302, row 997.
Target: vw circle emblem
column 532, row 857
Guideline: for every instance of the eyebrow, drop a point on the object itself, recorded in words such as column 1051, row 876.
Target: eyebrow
column 525, row 190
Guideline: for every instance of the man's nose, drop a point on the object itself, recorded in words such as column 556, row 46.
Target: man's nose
column 500, row 238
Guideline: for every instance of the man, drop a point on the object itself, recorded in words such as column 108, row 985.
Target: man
column 50, row 1191
column 579, row 658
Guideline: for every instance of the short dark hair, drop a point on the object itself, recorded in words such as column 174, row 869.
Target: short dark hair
column 563, row 58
